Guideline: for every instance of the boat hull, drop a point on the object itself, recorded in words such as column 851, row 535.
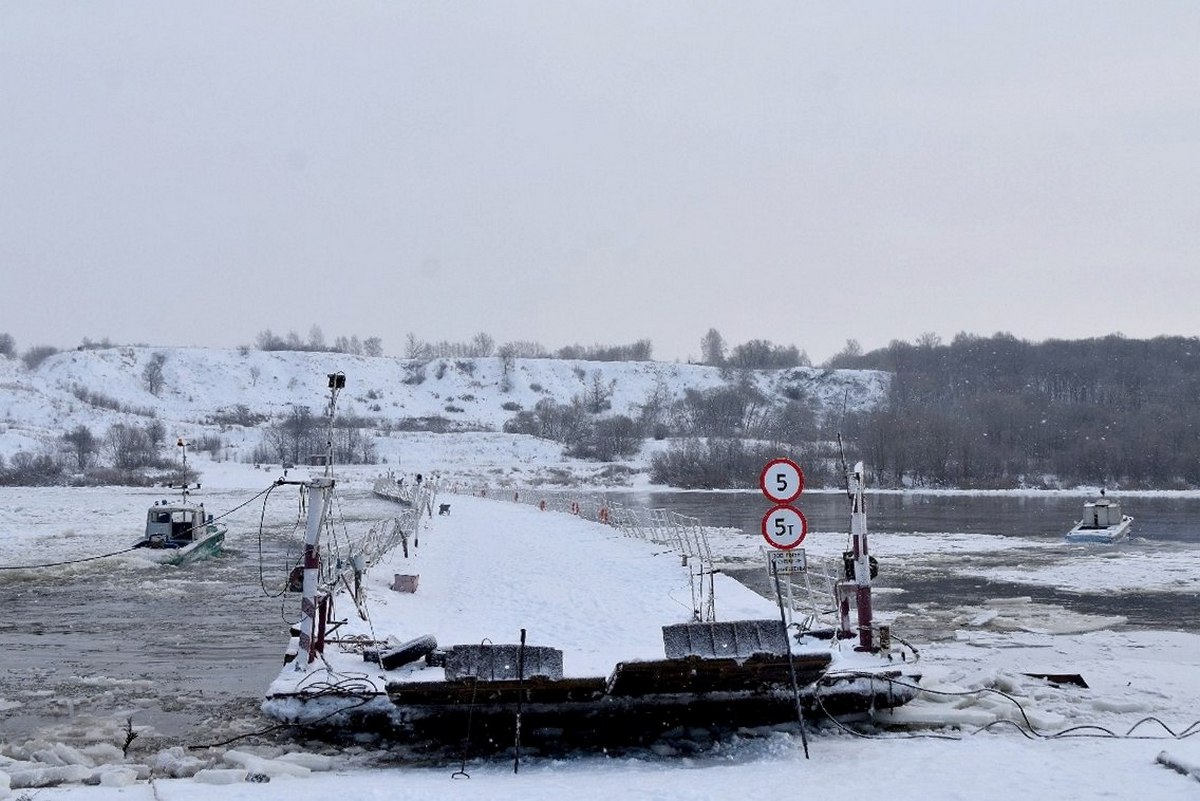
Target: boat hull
column 1105, row 535
column 208, row 545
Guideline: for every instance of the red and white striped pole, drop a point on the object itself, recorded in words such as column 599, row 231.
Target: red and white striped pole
column 862, row 562
column 318, row 489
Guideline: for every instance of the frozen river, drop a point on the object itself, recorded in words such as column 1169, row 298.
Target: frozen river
column 189, row 651
column 940, row 551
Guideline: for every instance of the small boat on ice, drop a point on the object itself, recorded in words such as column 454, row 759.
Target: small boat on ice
column 178, row 533
column 1102, row 522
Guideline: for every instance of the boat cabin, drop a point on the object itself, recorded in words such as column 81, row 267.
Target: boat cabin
column 174, row 523
column 1101, row 513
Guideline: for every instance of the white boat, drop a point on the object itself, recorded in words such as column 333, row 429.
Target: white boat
column 1102, row 522
column 180, row 532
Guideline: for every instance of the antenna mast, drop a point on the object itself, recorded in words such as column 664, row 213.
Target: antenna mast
column 182, row 443
column 337, row 382
column 314, row 606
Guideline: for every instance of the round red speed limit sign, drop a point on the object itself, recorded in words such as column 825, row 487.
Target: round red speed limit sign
column 782, row 481
column 784, row 527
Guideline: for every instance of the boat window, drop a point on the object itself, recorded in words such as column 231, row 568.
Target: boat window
column 181, row 526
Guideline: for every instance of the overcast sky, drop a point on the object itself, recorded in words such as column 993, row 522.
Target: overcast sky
column 566, row 172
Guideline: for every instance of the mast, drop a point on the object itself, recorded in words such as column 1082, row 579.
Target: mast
column 182, row 443
column 319, row 490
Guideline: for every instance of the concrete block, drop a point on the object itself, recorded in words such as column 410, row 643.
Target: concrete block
column 735, row 639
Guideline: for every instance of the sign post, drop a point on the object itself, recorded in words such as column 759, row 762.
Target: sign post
column 784, row 528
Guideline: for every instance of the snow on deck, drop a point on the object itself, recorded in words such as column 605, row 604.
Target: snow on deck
column 489, row 569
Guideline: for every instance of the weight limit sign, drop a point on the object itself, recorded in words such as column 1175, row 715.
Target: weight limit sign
column 784, row 527
column 781, row 481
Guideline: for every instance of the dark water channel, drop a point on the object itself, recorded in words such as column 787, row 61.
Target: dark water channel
column 188, row 651
column 1162, row 523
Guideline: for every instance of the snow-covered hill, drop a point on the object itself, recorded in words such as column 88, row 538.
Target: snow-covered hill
column 202, row 388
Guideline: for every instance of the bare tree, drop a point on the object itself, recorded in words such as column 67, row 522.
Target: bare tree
column 153, row 376
column 846, row 356
column 760, row 354
column 929, row 340
column 508, row 360
column 712, row 348
column 415, row 348
column 156, row 432
column 83, row 446
column 482, row 345
column 128, row 446
column 598, row 396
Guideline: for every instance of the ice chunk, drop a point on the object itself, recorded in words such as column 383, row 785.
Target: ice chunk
column 221, row 776
column 102, row 753
column 1113, row 705
column 48, row 775
column 118, row 777
column 315, row 762
column 265, row 767
column 177, row 764
column 983, row 618
column 61, row 754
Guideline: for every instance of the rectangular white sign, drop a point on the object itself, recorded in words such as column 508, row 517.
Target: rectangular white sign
column 787, row 563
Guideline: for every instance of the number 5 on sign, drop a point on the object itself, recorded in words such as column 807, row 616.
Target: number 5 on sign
column 784, row 527
column 782, row 481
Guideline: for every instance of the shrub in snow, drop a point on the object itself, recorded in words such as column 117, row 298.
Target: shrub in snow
column 415, row 374
column 38, row 354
